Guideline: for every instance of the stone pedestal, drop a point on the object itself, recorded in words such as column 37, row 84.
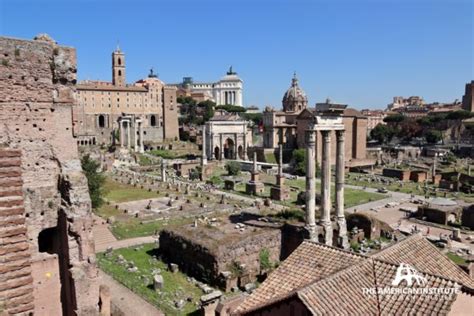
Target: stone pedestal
column 279, row 193
column 254, row 187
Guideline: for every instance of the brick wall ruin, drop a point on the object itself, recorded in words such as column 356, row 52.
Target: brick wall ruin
column 37, row 80
column 16, row 289
column 213, row 265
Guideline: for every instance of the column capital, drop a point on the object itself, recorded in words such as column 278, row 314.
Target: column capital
column 310, row 137
column 340, row 135
column 326, row 135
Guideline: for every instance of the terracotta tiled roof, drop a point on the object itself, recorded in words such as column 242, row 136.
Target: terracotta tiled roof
column 342, row 293
column 413, row 304
column 425, row 257
column 310, row 262
column 328, row 280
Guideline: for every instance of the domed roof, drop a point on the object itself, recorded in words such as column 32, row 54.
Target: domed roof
column 294, row 95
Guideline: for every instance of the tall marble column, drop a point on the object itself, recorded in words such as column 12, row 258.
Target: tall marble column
column 326, row 187
column 204, row 150
column 135, row 136
column 140, row 127
column 122, row 133
column 245, row 145
column 341, row 220
column 129, row 144
column 221, row 152
column 310, row 185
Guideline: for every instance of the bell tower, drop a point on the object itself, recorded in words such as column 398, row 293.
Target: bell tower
column 118, row 68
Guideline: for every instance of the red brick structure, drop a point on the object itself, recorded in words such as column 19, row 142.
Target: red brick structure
column 16, row 289
column 37, row 86
column 418, row 176
column 403, row 175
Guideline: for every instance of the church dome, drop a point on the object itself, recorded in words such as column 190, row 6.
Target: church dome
column 295, row 99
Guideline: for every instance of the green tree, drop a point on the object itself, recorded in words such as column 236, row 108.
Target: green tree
column 299, row 158
column 382, row 133
column 459, row 115
column 208, row 109
column 396, row 118
column 95, row 180
column 231, row 108
column 233, row 168
column 433, row 136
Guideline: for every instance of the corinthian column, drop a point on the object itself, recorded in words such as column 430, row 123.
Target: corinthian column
column 122, row 133
column 128, row 134
column 341, row 220
column 326, row 187
column 135, row 137
column 204, row 150
column 142, row 148
column 310, row 184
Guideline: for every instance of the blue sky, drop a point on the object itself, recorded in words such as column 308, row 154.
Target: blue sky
column 357, row 52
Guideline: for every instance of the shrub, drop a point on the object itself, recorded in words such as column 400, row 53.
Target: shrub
column 95, row 180
column 233, row 168
column 264, row 257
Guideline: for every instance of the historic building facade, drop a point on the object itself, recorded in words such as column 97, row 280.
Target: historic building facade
column 228, row 90
column 287, row 127
column 226, row 136
column 135, row 115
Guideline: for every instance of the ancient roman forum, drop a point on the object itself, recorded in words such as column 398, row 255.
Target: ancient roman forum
column 329, row 122
column 152, row 199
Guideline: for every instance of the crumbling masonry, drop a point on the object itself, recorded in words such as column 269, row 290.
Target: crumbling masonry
column 46, row 200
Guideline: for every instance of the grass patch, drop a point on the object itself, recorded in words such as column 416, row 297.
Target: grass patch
column 270, row 158
column 456, row 259
column 133, row 227
column 175, row 284
column 167, row 154
column 118, row 192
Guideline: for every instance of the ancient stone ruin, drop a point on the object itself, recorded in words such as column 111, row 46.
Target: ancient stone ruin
column 329, row 121
column 47, row 251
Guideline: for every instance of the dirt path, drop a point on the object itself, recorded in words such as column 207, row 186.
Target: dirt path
column 129, row 303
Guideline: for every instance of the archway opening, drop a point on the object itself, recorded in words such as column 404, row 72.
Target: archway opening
column 153, row 120
column 101, row 121
column 229, row 149
column 241, row 152
column 216, row 153
column 48, row 240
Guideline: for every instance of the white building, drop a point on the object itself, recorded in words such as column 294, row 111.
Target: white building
column 228, row 90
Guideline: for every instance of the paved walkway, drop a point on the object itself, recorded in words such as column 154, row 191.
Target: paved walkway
column 103, row 238
column 126, row 301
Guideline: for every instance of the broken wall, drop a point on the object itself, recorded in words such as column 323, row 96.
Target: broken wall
column 37, row 84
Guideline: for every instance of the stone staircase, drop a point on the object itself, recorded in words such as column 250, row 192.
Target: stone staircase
column 102, row 235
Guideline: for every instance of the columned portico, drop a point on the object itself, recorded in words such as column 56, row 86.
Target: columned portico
column 326, row 124
column 125, row 127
